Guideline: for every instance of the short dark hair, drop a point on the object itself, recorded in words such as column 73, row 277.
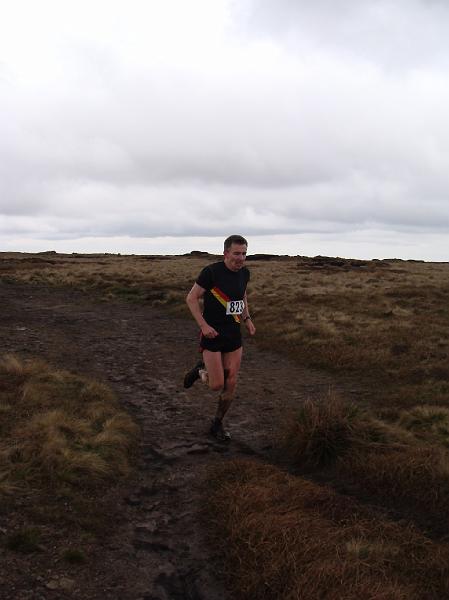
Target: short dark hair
column 234, row 239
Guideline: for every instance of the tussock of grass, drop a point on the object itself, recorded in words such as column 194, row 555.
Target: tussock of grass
column 59, row 428
column 12, row 366
column 292, row 539
column 383, row 462
column 325, row 430
column 428, row 423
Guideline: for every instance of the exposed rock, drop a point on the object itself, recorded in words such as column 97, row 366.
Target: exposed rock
column 61, row 583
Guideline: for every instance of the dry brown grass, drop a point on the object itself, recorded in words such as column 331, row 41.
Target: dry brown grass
column 289, row 538
column 66, row 447
column 59, row 429
column 387, row 320
column 412, row 481
column 428, row 423
column 323, row 431
column 155, row 280
column 403, row 466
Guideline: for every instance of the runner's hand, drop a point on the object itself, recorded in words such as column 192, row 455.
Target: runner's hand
column 209, row 332
column 250, row 327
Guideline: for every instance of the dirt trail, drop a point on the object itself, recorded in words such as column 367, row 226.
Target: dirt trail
column 157, row 551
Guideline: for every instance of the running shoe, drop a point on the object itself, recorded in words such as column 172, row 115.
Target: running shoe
column 217, row 431
column 191, row 376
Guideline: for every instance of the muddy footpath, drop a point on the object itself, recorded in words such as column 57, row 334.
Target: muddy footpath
column 158, row 548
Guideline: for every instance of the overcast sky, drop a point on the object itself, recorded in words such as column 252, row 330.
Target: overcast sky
column 162, row 126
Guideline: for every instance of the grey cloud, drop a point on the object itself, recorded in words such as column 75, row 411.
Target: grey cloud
column 308, row 140
column 212, row 210
column 399, row 33
column 273, row 144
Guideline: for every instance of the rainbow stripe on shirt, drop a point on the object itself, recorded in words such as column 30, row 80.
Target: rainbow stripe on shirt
column 223, row 299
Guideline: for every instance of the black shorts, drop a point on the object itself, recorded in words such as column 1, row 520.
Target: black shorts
column 224, row 342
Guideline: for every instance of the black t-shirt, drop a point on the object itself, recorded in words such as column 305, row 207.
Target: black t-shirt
column 223, row 299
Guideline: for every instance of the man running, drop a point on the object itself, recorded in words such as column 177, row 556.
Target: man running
column 222, row 287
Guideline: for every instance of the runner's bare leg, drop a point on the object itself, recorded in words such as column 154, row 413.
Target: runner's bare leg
column 214, row 367
column 231, row 365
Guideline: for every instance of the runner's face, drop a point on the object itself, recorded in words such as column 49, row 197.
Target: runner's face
column 235, row 256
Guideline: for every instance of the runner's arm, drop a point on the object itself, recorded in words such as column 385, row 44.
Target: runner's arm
column 247, row 318
column 193, row 302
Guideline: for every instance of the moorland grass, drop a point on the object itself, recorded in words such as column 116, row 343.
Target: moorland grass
column 327, row 429
column 403, row 466
column 64, row 442
column 413, row 482
column 289, row 538
column 386, row 320
column 429, row 423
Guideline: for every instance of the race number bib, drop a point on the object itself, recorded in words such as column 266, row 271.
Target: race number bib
column 235, row 307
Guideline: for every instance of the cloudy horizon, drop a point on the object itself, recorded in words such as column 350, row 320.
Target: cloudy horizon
column 163, row 127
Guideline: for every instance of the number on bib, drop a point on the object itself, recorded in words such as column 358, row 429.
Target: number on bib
column 235, row 307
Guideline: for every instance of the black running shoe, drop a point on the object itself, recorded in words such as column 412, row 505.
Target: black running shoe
column 191, row 376
column 217, row 431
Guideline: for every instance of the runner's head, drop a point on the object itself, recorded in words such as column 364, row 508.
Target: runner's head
column 235, row 247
